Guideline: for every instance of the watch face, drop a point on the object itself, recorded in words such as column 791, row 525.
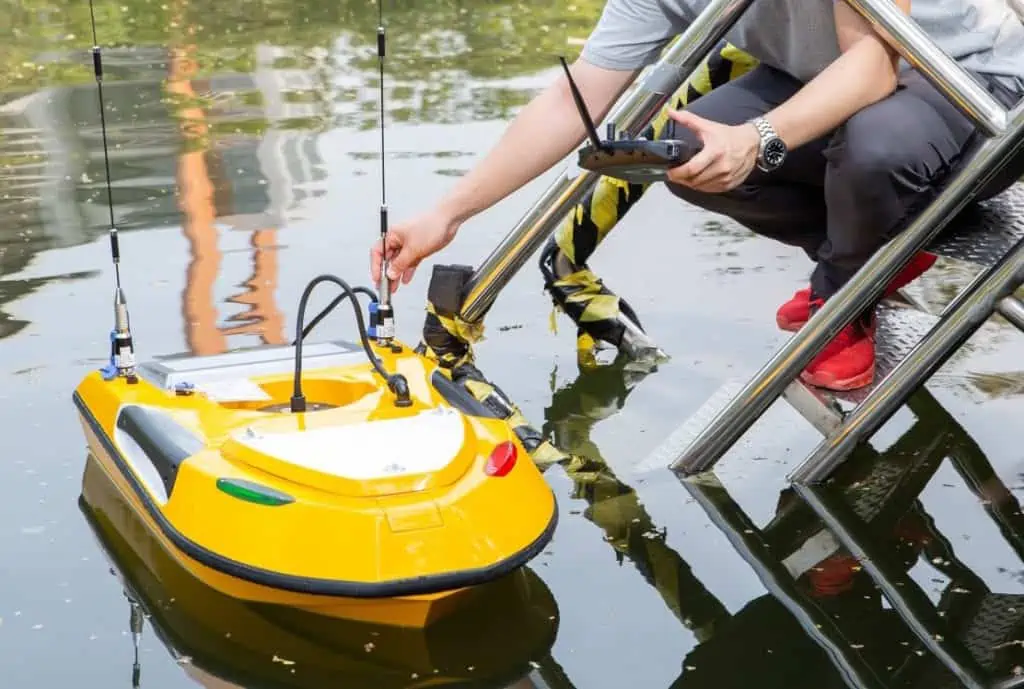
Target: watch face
column 774, row 152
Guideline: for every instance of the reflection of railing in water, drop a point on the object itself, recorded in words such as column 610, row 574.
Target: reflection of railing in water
column 969, row 632
column 613, row 506
column 819, row 597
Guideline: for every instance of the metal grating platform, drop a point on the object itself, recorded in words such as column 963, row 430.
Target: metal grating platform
column 985, row 231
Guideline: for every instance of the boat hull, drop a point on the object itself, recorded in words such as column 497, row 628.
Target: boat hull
column 312, row 553
column 403, row 611
column 231, row 642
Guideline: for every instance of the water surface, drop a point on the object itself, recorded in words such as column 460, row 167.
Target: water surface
column 245, row 161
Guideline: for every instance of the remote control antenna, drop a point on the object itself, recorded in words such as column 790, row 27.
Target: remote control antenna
column 581, row 106
column 385, row 322
column 122, row 354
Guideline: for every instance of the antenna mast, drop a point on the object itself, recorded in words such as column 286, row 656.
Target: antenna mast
column 122, row 354
column 385, row 326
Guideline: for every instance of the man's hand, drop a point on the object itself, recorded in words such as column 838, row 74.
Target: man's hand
column 729, row 154
column 409, row 243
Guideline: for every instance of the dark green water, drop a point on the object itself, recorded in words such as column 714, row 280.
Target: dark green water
column 244, row 155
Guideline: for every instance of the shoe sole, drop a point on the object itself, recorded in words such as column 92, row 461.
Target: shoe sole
column 789, row 326
column 827, row 382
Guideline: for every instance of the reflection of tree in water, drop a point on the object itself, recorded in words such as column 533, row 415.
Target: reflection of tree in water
column 484, row 39
column 445, row 60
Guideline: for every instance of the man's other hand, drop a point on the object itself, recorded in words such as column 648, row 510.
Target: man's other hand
column 729, row 154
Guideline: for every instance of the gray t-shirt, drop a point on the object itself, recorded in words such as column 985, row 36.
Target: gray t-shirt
column 799, row 37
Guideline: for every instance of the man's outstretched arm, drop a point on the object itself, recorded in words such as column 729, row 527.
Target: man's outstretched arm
column 629, row 35
column 543, row 132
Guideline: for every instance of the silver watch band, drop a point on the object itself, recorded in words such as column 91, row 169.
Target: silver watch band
column 765, row 129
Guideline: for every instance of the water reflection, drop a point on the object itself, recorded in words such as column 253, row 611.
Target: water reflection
column 222, row 106
column 825, row 621
column 613, row 506
column 502, row 642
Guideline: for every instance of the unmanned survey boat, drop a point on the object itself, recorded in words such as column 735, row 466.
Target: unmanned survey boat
column 332, row 509
column 356, row 480
column 223, row 642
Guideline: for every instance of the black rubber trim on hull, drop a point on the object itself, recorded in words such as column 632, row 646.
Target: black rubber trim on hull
column 318, row 587
column 165, row 443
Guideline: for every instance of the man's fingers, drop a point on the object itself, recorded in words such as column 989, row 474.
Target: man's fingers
column 692, row 122
column 696, row 165
column 402, row 259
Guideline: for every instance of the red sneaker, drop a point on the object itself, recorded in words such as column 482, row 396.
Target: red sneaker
column 848, row 361
column 794, row 313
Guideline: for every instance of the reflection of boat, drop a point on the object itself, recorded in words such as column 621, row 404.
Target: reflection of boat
column 357, row 481
column 224, row 642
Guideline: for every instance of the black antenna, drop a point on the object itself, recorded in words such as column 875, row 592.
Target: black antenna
column 381, row 51
column 588, row 121
column 122, row 356
column 385, row 323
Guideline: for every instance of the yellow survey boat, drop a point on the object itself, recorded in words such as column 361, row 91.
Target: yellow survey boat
column 355, row 480
column 333, row 509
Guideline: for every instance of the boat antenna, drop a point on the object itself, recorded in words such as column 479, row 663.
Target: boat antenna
column 385, row 321
column 122, row 348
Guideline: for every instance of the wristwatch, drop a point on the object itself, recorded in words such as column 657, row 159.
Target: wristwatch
column 772, row 151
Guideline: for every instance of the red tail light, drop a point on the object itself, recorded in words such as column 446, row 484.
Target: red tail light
column 502, row 459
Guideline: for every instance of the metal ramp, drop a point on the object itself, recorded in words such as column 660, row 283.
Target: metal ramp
column 912, row 345
column 978, row 239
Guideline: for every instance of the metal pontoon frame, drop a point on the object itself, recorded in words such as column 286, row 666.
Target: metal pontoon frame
column 990, row 292
column 1005, row 139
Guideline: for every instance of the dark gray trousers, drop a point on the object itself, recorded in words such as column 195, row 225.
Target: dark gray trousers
column 841, row 197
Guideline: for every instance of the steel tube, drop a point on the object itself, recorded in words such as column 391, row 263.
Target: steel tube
column 909, row 601
column 1012, row 310
column 864, row 288
column 959, row 321
column 632, row 114
column 917, row 48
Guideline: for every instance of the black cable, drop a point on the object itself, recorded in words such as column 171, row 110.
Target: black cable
column 396, row 382
column 330, row 307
